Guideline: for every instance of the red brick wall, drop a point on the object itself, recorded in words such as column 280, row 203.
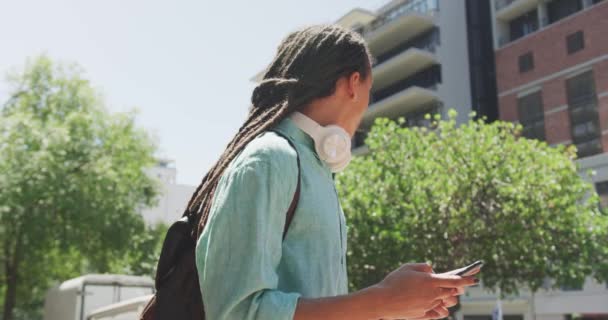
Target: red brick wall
column 508, row 108
column 549, row 48
column 557, row 127
column 601, row 74
column 551, row 56
column 554, row 94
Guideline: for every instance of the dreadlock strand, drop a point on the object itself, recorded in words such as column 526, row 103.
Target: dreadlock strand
column 264, row 125
column 232, row 149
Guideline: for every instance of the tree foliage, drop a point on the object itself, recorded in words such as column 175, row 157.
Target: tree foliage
column 455, row 194
column 72, row 183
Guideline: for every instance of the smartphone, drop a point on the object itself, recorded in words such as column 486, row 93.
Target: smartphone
column 468, row 270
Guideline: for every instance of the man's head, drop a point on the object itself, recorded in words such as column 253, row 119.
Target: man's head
column 324, row 67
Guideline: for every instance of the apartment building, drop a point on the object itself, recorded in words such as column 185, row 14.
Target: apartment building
column 551, row 59
column 173, row 197
column 431, row 56
column 552, row 74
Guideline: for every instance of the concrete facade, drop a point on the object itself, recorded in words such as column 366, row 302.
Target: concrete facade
column 172, row 199
column 453, row 53
column 389, row 30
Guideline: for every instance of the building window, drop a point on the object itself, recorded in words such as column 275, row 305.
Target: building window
column 559, row 9
column 584, row 120
column 526, row 62
column 602, row 191
column 532, row 116
column 523, row 25
column 575, row 42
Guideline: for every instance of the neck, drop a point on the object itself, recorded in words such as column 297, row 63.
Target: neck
column 330, row 113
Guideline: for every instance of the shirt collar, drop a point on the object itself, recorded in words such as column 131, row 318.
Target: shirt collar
column 301, row 138
column 288, row 128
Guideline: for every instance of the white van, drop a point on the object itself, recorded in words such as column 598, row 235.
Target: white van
column 126, row 310
column 77, row 298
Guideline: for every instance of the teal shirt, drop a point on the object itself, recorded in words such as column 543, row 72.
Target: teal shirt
column 246, row 270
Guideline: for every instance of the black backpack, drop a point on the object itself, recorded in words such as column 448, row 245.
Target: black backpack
column 178, row 295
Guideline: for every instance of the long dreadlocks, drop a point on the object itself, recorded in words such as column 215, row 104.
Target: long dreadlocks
column 307, row 66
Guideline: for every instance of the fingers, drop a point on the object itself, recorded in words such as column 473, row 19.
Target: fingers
column 450, row 281
column 432, row 314
column 436, row 304
column 439, row 312
column 445, row 293
column 420, row 267
column 450, row 301
column 442, row 312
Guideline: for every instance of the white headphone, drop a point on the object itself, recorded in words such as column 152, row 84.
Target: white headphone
column 331, row 142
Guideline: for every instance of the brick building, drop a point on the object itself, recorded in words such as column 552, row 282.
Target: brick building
column 551, row 62
column 552, row 75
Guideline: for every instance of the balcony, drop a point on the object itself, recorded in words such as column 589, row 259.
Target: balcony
column 400, row 103
column 356, row 19
column 400, row 23
column 507, row 10
column 403, row 65
column 427, row 41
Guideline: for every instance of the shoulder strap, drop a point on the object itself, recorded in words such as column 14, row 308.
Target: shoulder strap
column 296, row 196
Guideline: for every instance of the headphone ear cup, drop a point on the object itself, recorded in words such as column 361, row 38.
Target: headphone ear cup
column 334, row 144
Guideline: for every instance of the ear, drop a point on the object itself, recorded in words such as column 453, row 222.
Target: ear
column 354, row 81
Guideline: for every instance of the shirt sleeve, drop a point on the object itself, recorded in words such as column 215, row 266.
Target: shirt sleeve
column 240, row 249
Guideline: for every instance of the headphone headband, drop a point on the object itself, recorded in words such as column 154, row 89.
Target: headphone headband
column 332, row 142
column 306, row 124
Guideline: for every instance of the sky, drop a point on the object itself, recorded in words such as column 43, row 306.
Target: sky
column 185, row 65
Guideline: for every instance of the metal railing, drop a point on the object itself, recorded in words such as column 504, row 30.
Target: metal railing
column 503, row 3
column 417, row 6
column 427, row 79
column 428, row 42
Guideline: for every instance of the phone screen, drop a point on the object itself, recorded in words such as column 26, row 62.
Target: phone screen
column 468, row 270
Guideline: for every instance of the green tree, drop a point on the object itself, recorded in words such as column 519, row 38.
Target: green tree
column 455, row 194
column 142, row 258
column 72, row 182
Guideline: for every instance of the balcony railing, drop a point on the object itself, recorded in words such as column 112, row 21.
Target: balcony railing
column 428, row 41
column 419, row 6
column 503, row 3
column 428, row 79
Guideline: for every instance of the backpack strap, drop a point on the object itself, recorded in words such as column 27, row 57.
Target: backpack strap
column 296, row 196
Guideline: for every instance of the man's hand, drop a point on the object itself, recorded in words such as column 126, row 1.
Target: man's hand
column 414, row 292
